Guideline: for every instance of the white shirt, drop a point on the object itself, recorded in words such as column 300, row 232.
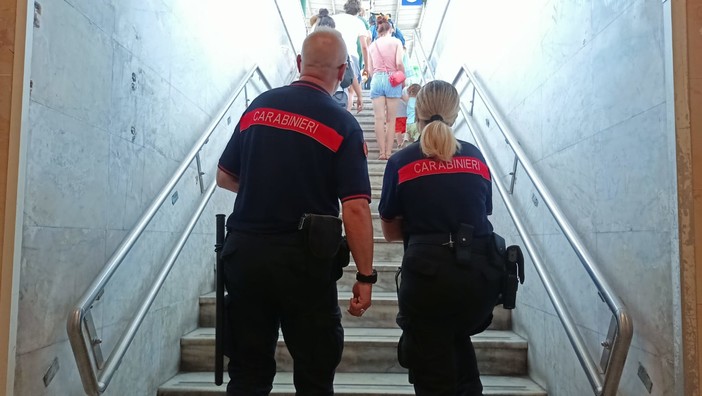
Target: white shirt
column 350, row 27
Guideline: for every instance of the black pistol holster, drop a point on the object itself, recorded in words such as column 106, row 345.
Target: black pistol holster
column 511, row 261
column 323, row 237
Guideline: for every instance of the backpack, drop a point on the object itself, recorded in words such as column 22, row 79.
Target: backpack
column 348, row 75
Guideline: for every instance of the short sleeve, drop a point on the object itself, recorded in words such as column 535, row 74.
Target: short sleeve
column 488, row 200
column 362, row 29
column 352, row 168
column 230, row 161
column 389, row 206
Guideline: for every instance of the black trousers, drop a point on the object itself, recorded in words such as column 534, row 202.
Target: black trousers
column 442, row 304
column 273, row 283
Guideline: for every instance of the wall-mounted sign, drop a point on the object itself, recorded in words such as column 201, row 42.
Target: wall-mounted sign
column 411, row 2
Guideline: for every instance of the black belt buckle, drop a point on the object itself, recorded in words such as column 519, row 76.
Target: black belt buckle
column 464, row 244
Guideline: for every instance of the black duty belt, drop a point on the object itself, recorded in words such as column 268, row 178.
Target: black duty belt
column 479, row 245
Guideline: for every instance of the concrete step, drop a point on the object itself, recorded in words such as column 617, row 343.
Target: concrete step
column 376, row 165
column 382, row 313
column 387, row 251
column 376, row 178
column 386, row 276
column 345, row 384
column 372, row 350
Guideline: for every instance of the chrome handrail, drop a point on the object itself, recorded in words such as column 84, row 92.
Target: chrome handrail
column 608, row 383
column 616, row 346
column 94, row 375
column 285, row 26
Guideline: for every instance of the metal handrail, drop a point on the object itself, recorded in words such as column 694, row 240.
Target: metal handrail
column 608, row 383
column 616, row 347
column 287, row 32
column 94, row 375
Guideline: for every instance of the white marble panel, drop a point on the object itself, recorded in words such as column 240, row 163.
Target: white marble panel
column 567, row 29
column 604, row 12
column 186, row 123
column 532, row 293
column 146, row 28
column 129, row 284
column 659, row 370
column 123, row 107
column 138, row 374
column 32, row 366
column 638, row 268
column 567, row 103
column 631, row 158
column 570, row 176
column 66, row 171
column 528, row 204
column 526, row 122
column 192, row 274
column 54, row 260
column 628, row 58
column 157, row 171
column 71, row 64
column 100, row 13
column 178, row 320
column 125, row 173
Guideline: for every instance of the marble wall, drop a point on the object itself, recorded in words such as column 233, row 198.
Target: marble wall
column 121, row 89
column 583, row 86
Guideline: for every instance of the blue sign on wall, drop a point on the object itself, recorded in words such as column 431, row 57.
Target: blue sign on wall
column 411, row 2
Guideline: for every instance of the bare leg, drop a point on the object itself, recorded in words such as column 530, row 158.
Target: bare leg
column 400, row 138
column 379, row 115
column 392, row 104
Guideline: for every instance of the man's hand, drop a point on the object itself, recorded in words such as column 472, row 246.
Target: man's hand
column 361, row 300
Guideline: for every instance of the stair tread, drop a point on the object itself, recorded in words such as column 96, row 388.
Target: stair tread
column 378, row 296
column 503, row 339
column 352, row 383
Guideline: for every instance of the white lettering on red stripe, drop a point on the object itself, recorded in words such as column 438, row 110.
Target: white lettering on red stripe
column 293, row 122
column 428, row 167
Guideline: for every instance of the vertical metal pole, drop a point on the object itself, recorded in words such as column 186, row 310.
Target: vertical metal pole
column 472, row 100
column 199, row 173
column 246, row 95
column 219, row 303
column 514, row 175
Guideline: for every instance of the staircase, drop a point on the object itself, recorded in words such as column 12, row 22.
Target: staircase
column 369, row 362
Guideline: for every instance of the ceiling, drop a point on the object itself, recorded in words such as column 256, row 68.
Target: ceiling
column 406, row 18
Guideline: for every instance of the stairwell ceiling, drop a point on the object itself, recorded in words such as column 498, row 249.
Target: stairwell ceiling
column 407, row 18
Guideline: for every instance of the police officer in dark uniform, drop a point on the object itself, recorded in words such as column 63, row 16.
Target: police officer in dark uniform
column 436, row 197
column 293, row 153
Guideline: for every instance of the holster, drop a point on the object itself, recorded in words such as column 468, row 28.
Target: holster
column 510, row 261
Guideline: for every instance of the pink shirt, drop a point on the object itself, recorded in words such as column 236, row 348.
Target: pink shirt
column 383, row 54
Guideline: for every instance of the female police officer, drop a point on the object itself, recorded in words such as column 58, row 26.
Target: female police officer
column 436, row 197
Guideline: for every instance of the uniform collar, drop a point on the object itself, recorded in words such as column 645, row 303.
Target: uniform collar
column 301, row 83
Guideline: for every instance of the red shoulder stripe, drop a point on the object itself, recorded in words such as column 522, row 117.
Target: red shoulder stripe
column 280, row 119
column 428, row 167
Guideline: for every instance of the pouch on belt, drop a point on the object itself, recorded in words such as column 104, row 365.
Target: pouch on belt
column 322, row 233
column 325, row 242
column 464, row 244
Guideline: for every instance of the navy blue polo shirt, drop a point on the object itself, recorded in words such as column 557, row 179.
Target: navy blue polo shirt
column 435, row 197
column 295, row 151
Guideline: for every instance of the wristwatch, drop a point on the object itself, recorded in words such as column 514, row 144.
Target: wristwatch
column 372, row 278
